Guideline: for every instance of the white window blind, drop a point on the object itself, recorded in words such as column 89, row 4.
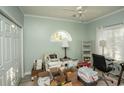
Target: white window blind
column 114, row 38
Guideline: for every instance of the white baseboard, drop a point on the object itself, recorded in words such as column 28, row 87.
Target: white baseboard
column 27, row 73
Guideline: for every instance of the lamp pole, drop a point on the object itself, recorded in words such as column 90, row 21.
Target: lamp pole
column 102, row 50
column 102, row 44
column 65, row 53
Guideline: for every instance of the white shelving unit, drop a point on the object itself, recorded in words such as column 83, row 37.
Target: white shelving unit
column 86, row 50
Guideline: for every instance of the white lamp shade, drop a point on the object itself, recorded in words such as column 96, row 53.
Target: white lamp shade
column 102, row 43
column 65, row 44
column 60, row 36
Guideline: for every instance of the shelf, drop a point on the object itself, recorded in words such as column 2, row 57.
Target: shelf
column 87, row 55
column 86, row 50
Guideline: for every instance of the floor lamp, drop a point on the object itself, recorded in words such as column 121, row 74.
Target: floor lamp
column 102, row 43
column 65, row 45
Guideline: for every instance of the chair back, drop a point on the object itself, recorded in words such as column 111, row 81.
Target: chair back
column 99, row 62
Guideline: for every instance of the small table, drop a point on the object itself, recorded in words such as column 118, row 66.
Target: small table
column 74, row 62
column 35, row 73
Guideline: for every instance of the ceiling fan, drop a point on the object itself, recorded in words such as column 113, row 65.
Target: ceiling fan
column 79, row 12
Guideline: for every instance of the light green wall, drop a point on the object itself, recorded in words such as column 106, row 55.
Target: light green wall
column 37, row 32
column 15, row 13
column 109, row 20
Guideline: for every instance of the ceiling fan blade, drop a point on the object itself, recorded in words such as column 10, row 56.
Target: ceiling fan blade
column 74, row 15
column 84, row 15
column 79, row 13
column 70, row 10
column 84, row 7
column 84, row 11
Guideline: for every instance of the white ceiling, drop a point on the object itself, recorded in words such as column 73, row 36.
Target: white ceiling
column 93, row 12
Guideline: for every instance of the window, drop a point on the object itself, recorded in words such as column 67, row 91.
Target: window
column 114, row 38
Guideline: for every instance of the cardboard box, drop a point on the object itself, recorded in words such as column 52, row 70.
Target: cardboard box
column 71, row 75
column 68, row 84
column 56, row 72
column 60, row 78
column 43, row 74
column 55, row 69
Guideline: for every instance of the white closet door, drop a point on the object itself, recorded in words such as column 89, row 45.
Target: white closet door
column 7, row 52
column 18, row 47
column 16, row 53
column 1, row 44
column 0, row 25
column 1, row 62
column 2, row 81
column 1, row 54
column 7, row 42
column 7, row 78
column 10, row 55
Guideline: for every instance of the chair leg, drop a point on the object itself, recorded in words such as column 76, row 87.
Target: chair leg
column 107, row 74
column 94, row 68
column 120, row 76
column 105, row 79
column 109, row 79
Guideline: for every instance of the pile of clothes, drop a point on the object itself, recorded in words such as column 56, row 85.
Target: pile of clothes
column 87, row 74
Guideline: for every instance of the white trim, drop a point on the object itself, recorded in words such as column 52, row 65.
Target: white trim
column 22, row 67
column 54, row 18
column 11, row 18
column 112, row 13
column 27, row 73
column 76, row 21
column 1, row 37
column 21, row 9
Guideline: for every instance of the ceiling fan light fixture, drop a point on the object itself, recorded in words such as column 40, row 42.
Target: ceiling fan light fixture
column 80, row 12
column 79, row 8
column 85, row 10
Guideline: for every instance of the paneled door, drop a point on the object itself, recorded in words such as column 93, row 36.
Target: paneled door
column 10, row 52
column 1, row 78
column 1, row 60
column 1, row 44
column 16, row 48
column 18, row 52
column 1, row 54
column 7, row 51
column 7, row 41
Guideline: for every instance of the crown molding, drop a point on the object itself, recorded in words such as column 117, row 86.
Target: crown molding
column 76, row 21
column 54, row 18
column 112, row 13
column 21, row 9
